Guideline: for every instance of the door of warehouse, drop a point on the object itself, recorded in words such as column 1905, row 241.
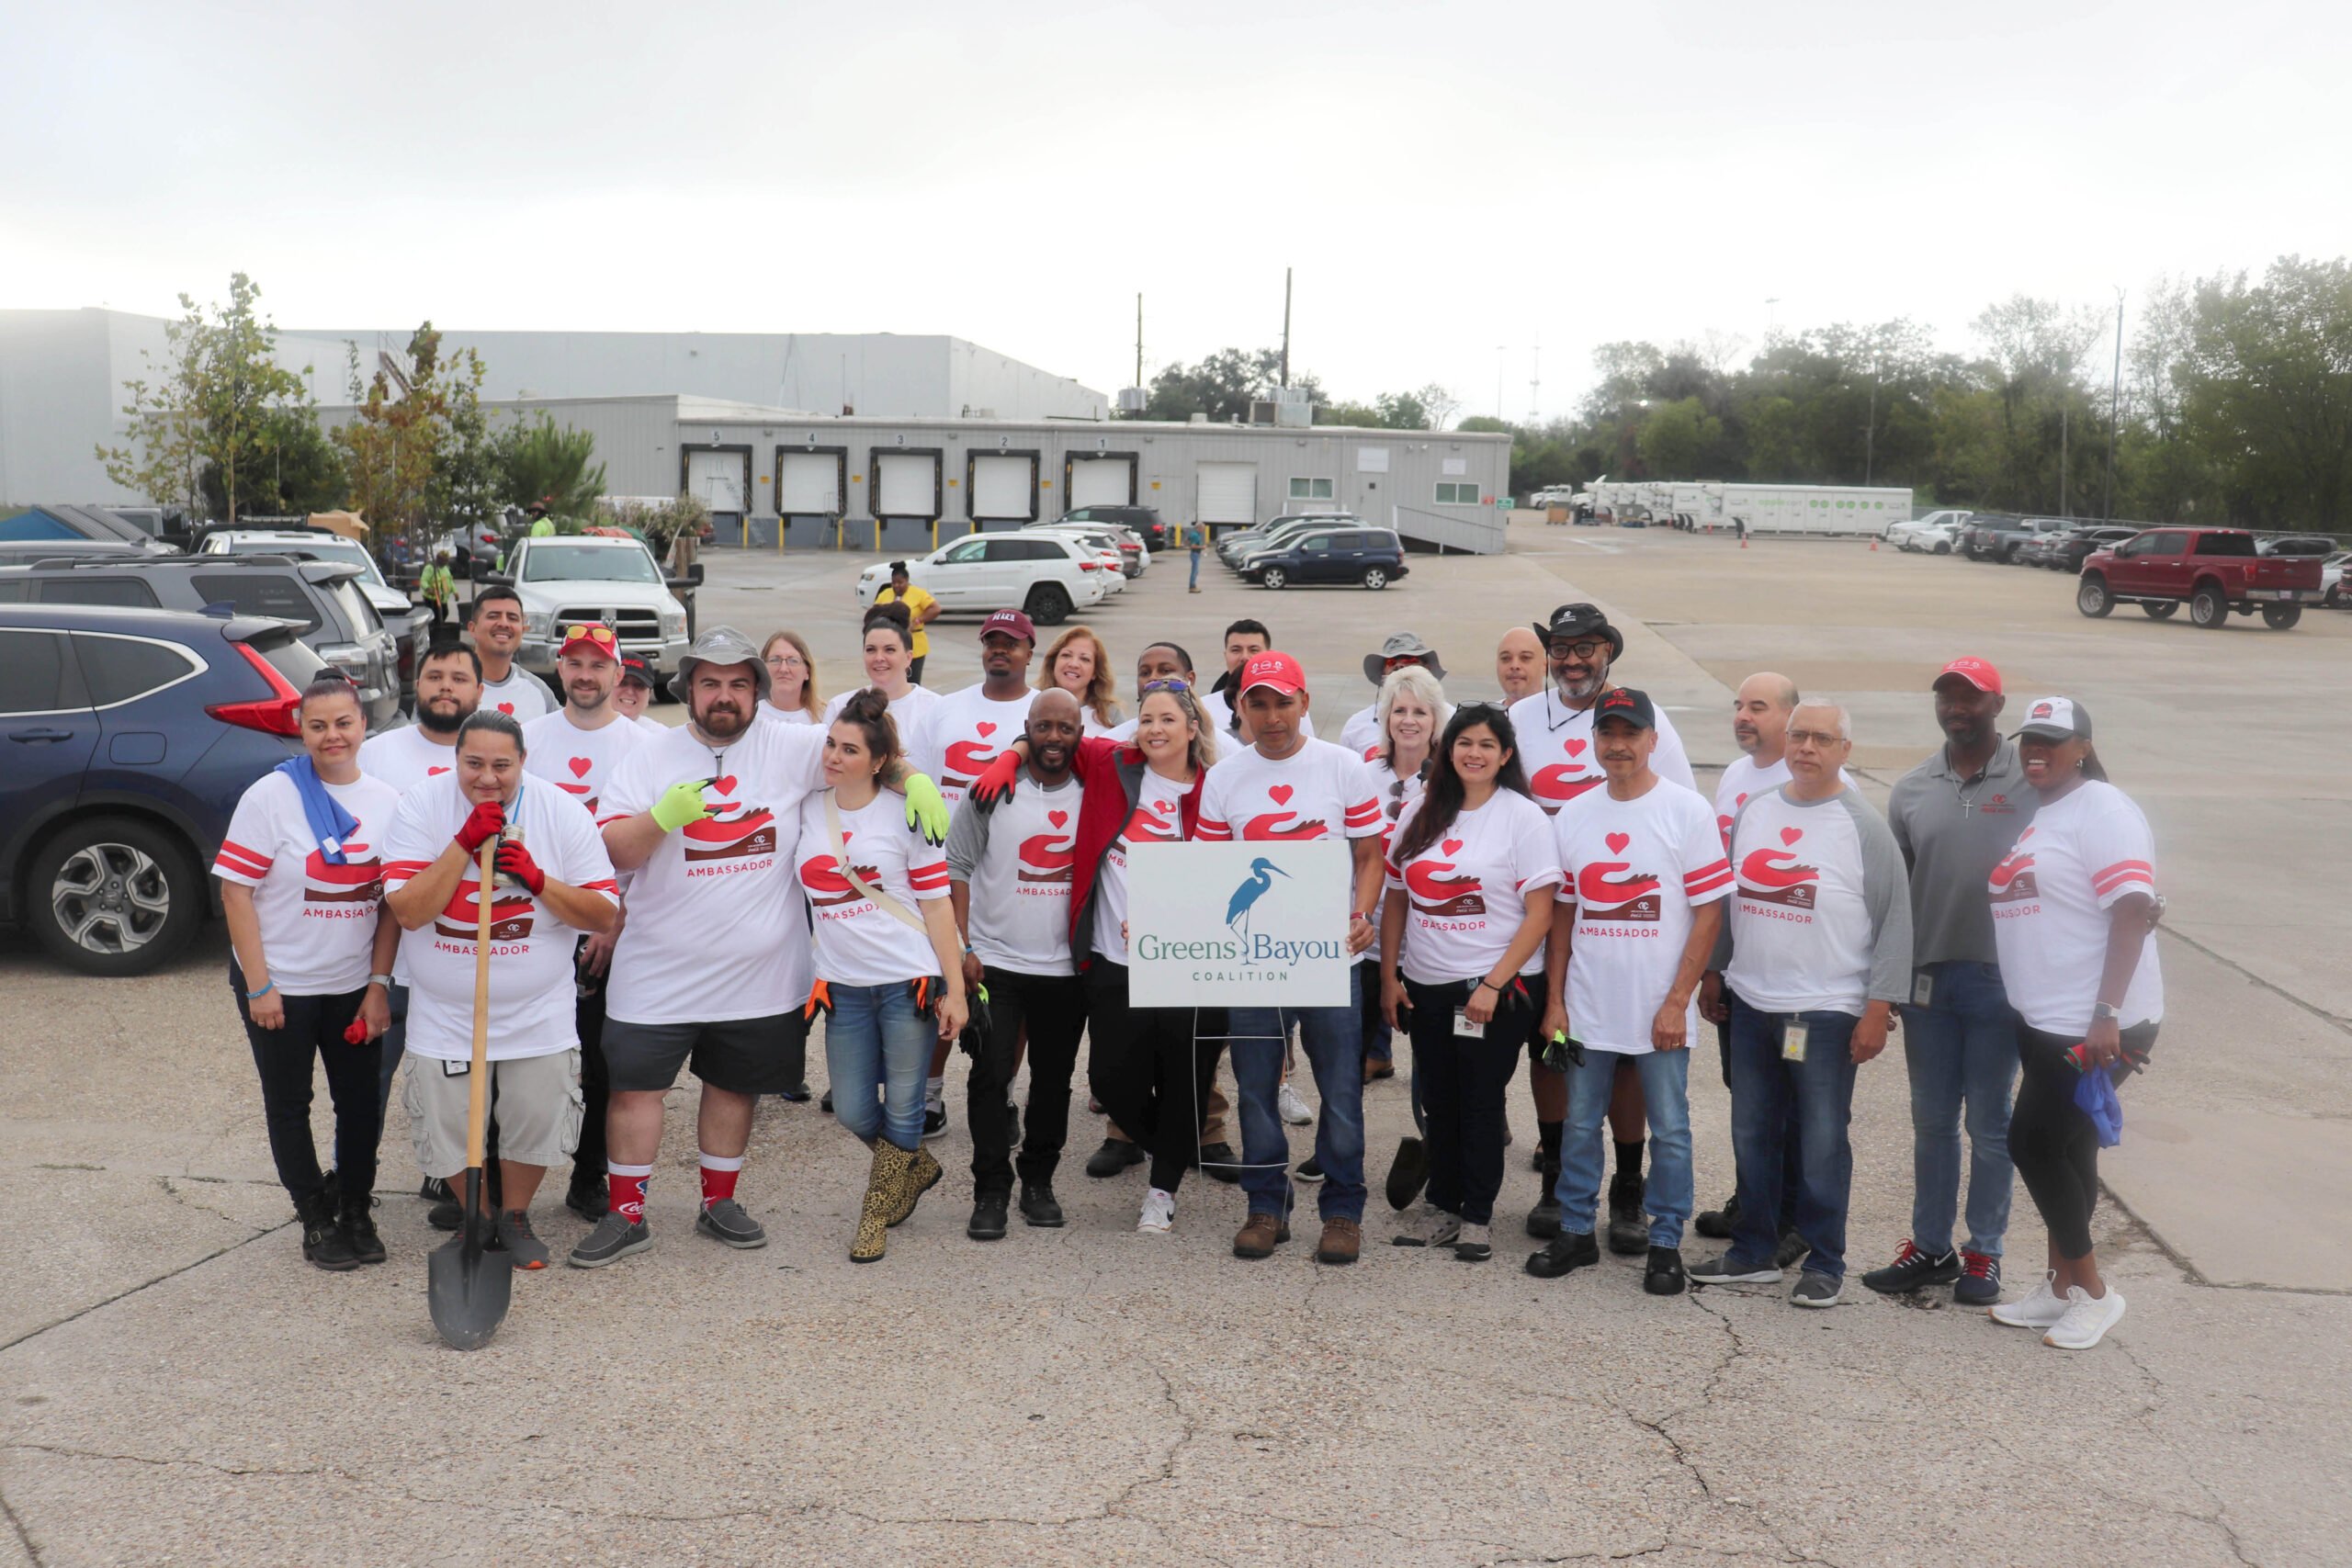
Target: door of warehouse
column 1107, row 480
column 1004, row 487
column 1228, row 493
column 808, row 484
column 716, row 480
column 906, row 484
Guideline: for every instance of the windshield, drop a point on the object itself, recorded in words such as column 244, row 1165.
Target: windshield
column 587, row 563
column 312, row 549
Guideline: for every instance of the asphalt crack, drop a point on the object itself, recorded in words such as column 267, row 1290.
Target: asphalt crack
column 59, row 1451
column 31, row 1334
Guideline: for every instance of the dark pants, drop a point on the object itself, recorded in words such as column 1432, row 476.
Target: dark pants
column 914, row 669
column 1461, row 1091
column 595, row 1080
column 1792, row 1138
column 1764, row 1087
column 2051, row 1143
column 314, row 1031
column 1143, row 1065
column 1054, row 1008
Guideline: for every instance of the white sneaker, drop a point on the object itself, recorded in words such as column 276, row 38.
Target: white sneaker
column 1293, row 1110
column 2087, row 1321
column 2038, row 1309
column 1159, row 1212
column 1429, row 1226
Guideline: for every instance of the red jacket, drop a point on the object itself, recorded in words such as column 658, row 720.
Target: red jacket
column 1110, row 775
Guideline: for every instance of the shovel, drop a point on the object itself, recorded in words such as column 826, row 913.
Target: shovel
column 466, row 1287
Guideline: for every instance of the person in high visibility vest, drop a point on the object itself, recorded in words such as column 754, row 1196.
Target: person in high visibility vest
column 438, row 586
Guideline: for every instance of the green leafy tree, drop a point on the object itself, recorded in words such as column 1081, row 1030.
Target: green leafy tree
column 542, row 461
column 2268, row 376
column 1676, row 438
column 301, row 472
column 417, row 452
column 1222, row 385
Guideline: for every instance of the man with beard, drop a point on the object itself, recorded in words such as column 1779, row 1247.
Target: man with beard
column 1556, row 743
column 1009, row 875
column 495, row 619
column 576, row 750
column 715, row 968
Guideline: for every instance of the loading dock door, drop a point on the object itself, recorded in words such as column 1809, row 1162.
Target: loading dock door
column 1101, row 481
column 1004, row 488
column 1228, row 493
column 906, row 485
column 808, row 484
column 717, row 478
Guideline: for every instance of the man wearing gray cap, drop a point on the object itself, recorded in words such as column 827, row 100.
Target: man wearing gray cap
column 713, row 967
column 1362, row 732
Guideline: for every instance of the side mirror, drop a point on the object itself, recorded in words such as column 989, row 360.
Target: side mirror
column 496, row 580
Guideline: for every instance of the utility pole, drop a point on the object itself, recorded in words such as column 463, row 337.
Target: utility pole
column 2114, row 404
column 1869, row 431
column 2062, row 507
column 1535, row 384
column 1138, row 381
column 1286, row 326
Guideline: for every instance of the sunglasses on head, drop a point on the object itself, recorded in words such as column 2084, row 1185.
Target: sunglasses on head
column 1171, row 683
column 598, row 634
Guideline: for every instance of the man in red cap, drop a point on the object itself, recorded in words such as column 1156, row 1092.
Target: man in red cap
column 1286, row 786
column 1954, row 816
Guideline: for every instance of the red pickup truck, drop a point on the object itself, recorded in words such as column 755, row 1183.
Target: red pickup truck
column 2215, row 571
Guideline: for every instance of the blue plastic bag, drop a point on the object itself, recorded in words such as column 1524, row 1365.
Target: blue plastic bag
column 2095, row 1098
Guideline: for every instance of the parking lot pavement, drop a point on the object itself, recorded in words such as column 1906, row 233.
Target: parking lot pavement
column 175, row 1385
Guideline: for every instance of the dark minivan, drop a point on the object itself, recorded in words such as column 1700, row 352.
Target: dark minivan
column 1368, row 556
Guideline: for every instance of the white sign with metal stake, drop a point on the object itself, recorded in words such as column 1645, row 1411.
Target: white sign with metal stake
column 1262, row 923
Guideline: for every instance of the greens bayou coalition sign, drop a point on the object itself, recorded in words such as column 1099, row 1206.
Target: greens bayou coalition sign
column 1261, row 924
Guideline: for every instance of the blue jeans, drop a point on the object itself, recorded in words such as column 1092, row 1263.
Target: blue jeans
column 875, row 1043
column 1333, row 1041
column 1962, row 1051
column 1196, row 570
column 1666, row 1094
column 1762, row 1087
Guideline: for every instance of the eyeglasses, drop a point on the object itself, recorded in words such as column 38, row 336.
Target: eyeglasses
column 1169, row 684
column 1588, row 650
column 1823, row 738
column 786, row 661
column 600, row 635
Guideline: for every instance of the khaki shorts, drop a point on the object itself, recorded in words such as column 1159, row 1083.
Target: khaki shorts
column 539, row 1107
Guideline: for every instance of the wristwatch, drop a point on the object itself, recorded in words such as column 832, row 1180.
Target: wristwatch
column 2104, row 1010
column 383, row 980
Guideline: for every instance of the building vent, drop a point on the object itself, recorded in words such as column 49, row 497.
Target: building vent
column 1261, row 412
column 1131, row 399
column 1198, row 419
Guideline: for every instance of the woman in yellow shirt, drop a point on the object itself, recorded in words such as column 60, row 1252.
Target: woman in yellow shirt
column 921, row 608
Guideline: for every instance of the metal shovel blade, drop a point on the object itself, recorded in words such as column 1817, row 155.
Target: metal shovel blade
column 467, row 1288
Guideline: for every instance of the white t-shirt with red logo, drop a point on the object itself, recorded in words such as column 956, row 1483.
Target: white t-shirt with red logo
column 522, row 696
column 1466, row 893
column 1556, row 748
column 961, row 734
column 578, row 762
column 406, row 757
column 1820, row 915
column 318, row 921
column 1157, row 819
column 858, row 941
column 531, row 989
column 1741, row 777
column 1635, row 870
column 715, row 930
column 1020, row 877
column 1395, row 795
column 1319, row 790
column 907, row 714
column 2050, row 896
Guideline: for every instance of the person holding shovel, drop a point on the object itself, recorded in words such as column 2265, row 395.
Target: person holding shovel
column 553, row 884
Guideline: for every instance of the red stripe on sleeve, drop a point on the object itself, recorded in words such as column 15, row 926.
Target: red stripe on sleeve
column 2123, row 871
column 1215, row 831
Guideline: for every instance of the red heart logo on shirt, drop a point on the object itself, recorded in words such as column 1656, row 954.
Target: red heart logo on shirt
column 848, row 835
column 1740, row 799
column 506, row 708
column 1617, row 843
column 1057, row 817
column 580, row 766
column 1791, row 835
column 1452, row 846
column 727, row 787
column 985, row 730
column 430, row 772
column 1163, row 806
column 1573, row 748
column 1281, row 794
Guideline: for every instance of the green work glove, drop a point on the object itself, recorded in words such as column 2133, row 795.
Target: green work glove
column 926, row 809
column 680, row 804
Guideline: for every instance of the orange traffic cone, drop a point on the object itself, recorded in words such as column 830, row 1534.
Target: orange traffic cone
column 1873, row 541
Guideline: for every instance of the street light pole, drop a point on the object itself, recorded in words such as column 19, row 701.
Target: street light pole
column 2114, row 405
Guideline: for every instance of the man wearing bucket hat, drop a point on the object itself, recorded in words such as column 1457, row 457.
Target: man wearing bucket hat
column 1361, row 731
column 713, row 968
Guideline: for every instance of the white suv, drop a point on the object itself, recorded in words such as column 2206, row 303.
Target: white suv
column 565, row 579
column 1045, row 575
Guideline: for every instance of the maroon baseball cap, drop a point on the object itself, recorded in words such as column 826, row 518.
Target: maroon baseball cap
column 1278, row 671
column 1977, row 672
column 1012, row 622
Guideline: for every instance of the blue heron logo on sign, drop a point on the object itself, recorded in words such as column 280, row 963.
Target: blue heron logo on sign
column 1237, row 909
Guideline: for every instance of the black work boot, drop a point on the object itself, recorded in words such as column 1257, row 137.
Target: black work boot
column 1629, row 1228
column 986, row 1222
column 1038, row 1205
column 359, row 1226
column 323, row 1243
column 1544, row 1220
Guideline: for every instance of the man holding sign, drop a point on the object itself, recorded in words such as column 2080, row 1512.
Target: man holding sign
column 1284, row 788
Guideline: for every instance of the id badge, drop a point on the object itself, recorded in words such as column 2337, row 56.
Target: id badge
column 1465, row 1029
column 1793, row 1037
column 455, row 1069
column 1922, row 988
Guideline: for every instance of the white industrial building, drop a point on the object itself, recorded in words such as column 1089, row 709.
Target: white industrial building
column 773, row 476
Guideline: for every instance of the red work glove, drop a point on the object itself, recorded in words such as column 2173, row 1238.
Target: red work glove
column 517, row 861
column 356, row 1032
column 995, row 781
column 488, row 819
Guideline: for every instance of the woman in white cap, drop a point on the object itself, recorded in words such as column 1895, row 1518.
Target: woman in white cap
column 2075, row 910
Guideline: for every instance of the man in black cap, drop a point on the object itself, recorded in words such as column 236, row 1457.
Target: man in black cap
column 1362, row 732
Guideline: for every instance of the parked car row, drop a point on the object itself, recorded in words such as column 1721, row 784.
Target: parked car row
column 1314, row 547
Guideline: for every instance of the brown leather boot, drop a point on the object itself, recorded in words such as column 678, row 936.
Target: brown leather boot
column 1259, row 1236
column 1343, row 1241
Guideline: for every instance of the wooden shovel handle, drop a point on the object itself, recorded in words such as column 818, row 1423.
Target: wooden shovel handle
column 476, row 1091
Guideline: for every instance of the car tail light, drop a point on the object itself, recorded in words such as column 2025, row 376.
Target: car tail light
column 1090, row 566
column 272, row 714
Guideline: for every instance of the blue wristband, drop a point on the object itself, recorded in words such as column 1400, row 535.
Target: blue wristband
column 251, row 995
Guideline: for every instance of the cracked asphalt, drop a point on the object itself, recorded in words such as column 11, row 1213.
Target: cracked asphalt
column 176, row 1387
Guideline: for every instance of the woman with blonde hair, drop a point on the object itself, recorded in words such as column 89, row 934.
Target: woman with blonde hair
column 1079, row 664
column 792, row 680
column 1413, row 713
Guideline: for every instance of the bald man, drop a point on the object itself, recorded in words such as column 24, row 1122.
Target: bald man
column 1519, row 667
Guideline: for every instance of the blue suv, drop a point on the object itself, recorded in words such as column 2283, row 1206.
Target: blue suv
column 1353, row 554
column 126, row 737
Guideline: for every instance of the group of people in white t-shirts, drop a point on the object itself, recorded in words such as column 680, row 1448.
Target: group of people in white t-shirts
column 921, row 871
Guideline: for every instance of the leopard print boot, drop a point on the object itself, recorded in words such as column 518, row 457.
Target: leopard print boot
column 890, row 1173
column 923, row 1175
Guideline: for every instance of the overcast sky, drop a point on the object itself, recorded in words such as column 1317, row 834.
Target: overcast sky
column 1453, row 183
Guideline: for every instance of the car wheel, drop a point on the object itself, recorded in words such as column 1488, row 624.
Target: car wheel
column 2207, row 608
column 2280, row 617
column 112, row 896
column 1943, row 549
column 1274, row 577
column 2015, row 554
column 2159, row 609
column 1049, row 605
column 2093, row 599
column 1375, row 577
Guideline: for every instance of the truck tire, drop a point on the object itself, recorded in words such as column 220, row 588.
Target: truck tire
column 2159, row 609
column 2207, row 608
column 2280, row 618
column 1049, row 605
column 114, row 896
column 2093, row 599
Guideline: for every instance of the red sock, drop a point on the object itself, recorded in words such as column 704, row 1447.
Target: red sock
column 626, row 1186
column 719, row 1174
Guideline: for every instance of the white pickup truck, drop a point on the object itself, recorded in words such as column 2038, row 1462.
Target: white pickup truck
column 565, row 579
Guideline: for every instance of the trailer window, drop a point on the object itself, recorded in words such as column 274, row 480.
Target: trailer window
column 1454, row 493
column 1310, row 490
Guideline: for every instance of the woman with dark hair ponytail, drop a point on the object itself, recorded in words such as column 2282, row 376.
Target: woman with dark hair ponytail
column 1471, row 874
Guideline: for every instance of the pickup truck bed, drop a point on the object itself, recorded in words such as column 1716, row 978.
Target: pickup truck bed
column 2213, row 570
